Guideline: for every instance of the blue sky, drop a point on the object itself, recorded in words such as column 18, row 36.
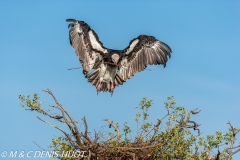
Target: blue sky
column 35, row 54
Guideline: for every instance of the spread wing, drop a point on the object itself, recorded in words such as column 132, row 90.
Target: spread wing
column 142, row 51
column 86, row 44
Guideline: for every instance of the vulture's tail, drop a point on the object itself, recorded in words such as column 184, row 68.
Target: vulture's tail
column 118, row 80
column 93, row 78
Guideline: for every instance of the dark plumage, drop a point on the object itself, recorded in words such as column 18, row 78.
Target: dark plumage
column 106, row 68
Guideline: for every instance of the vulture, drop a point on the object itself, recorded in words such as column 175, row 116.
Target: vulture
column 107, row 68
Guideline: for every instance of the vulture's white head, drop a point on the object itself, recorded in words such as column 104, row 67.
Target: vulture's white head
column 115, row 58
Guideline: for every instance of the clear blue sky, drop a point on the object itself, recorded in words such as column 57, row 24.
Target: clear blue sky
column 204, row 71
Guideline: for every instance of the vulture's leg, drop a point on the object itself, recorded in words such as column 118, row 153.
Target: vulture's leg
column 112, row 87
column 99, row 86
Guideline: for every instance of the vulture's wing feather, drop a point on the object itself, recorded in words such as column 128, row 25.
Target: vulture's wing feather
column 142, row 51
column 86, row 44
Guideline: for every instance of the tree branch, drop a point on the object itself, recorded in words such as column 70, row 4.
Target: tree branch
column 73, row 129
column 86, row 130
column 116, row 128
column 68, row 137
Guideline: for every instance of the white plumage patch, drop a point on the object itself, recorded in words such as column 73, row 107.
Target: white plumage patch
column 91, row 61
column 95, row 44
column 132, row 45
column 78, row 28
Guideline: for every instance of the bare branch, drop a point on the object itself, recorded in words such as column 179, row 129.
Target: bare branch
column 68, row 137
column 86, row 130
column 40, row 110
column 155, row 130
column 39, row 146
column 86, row 126
column 116, row 128
column 73, row 129
column 235, row 152
column 234, row 133
column 195, row 112
column 185, row 123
